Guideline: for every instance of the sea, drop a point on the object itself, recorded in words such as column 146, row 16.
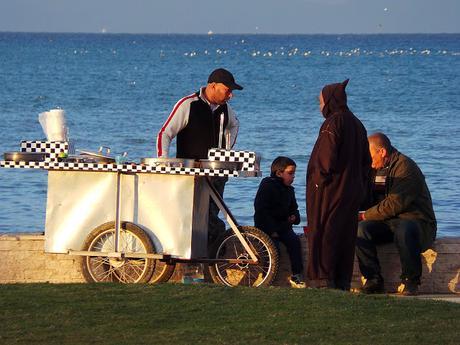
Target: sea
column 118, row 89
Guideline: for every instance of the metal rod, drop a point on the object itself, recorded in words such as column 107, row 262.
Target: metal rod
column 230, row 261
column 162, row 257
column 228, row 145
column 120, row 255
column 117, row 213
column 230, row 219
column 221, row 129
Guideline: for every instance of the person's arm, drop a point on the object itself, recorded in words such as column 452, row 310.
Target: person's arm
column 328, row 144
column 294, row 210
column 403, row 191
column 367, row 160
column 368, row 177
column 177, row 120
column 232, row 125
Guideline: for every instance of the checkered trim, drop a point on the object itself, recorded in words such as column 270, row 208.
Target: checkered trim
column 44, row 146
column 231, row 156
column 127, row 168
column 248, row 158
column 24, row 165
column 51, row 148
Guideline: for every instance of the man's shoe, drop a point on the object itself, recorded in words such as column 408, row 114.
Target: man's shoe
column 373, row 286
column 410, row 288
column 297, row 282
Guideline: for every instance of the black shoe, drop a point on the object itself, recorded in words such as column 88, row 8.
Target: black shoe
column 410, row 288
column 373, row 286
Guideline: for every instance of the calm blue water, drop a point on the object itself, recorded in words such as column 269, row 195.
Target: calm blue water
column 118, row 89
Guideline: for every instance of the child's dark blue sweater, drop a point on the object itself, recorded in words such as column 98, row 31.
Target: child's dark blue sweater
column 273, row 204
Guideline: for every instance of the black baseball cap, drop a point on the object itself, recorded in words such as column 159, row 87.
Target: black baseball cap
column 223, row 76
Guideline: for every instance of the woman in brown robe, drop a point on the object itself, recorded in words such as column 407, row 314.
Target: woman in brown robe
column 336, row 180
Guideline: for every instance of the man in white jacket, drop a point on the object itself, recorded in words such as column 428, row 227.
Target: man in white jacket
column 201, row 121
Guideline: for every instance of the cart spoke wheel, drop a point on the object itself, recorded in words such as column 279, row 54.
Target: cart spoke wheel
column 233, row 274
column 125, row 270
column 163, row 271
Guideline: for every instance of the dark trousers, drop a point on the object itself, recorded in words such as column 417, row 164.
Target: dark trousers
column 216, row 226
column 292, row 243
column 406, row 236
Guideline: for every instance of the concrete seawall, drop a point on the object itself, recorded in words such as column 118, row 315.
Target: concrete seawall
column 24, row 261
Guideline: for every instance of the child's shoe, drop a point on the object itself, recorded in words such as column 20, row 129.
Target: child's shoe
column 297, row 282
column 409, row 287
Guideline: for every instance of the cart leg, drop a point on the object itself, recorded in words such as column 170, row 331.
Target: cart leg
column 230, row 219
column 117, row 213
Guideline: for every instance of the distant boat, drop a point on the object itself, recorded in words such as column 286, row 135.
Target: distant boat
column 210, row 32
column 103, row 30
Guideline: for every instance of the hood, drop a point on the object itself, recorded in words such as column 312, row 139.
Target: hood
column 335, row 98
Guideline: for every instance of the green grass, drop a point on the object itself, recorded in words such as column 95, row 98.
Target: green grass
column 210, row 314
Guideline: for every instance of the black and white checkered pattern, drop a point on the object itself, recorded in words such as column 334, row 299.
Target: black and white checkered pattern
column 248, row 158
column 23, row 165
column 223, row 155
column 51, row 148
column 126, row 168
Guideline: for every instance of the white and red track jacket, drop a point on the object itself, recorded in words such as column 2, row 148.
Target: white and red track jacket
column 196, row 127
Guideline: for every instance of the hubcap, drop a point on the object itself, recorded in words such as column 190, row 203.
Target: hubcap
column 117, row 263
column 244, row 256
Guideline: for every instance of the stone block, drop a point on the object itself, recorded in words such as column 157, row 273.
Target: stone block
column 23, row 260
column 447, row 247
column 31, row 245
column 7, row 245
column 447, row 263
column 446, row 286
column 25, row 236
column 441, row 267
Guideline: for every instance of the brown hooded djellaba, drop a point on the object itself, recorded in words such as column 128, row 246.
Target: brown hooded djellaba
column 336, row 182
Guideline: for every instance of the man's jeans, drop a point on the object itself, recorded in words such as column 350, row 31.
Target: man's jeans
column 406, row 236
column 216, row 227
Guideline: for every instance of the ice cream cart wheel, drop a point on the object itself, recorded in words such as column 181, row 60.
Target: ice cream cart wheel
column 109, row 269
column 245, row 274
column 163, row 271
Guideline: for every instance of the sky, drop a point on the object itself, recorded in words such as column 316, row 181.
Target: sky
column 235, row 16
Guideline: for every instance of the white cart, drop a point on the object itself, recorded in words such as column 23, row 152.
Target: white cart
column 132, row 223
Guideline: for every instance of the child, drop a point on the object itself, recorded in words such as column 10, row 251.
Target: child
column 276, row 210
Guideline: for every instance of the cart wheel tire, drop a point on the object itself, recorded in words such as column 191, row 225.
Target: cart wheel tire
column 163, row 271
column 125, row 270
column 261, row 274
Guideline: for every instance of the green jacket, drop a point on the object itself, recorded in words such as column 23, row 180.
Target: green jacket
column 406, row 197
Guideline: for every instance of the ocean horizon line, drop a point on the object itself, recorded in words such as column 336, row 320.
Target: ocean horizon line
column 229, row 34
